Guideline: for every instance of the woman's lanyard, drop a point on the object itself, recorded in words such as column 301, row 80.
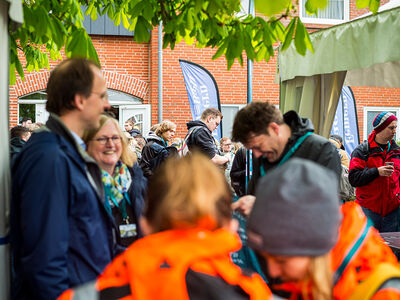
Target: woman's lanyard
column 288, row 154
column 122, row 208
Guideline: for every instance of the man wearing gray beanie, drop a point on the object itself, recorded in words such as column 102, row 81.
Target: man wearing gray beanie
column 308, row 244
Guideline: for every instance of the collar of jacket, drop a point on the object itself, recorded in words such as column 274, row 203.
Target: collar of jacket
column 56, row 125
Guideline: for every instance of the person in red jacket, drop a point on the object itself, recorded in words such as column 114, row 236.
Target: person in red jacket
column 375, row 173
column 309, row 247
column 187, row 254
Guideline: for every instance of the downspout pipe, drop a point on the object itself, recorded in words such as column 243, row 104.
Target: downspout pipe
column 160, row 72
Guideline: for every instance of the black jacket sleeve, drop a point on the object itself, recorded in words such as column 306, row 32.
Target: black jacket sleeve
column 201, row 286
column 238, row 172
column 359, row 173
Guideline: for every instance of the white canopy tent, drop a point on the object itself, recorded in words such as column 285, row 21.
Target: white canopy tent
column 10, row 11
column 363, row 52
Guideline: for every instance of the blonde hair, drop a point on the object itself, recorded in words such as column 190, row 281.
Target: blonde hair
column 164, row 127
column 128, row 157
column 187, row 192
column 320, row 277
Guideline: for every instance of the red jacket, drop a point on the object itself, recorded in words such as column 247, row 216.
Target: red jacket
column 377, row 193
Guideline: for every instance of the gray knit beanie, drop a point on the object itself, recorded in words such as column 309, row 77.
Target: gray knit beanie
column 296, row 212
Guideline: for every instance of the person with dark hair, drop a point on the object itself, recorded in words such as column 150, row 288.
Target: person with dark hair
column 310, row 247
column 61, row 233
column 26, row 121
column 157, row 149
column 275, row 138
column 19, row 135
column 186, row 253
column 375, row 173
column 199, row 136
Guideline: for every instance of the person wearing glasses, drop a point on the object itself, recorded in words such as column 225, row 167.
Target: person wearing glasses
column 61, row 233
column 123, row 180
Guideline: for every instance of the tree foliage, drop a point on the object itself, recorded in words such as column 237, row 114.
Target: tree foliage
column 50, row 25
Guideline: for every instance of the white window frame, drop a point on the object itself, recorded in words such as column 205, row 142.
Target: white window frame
column 346, row 15
column 238, row 105
column 378, row 109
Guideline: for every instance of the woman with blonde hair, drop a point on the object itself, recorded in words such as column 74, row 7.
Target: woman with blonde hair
column 187, row 252
column 313, row 248
column 157, row 149
column 123, row 180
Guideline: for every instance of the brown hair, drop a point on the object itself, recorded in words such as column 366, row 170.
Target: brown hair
column 72, row 76
column 255, row 118
column 128, row 157
column 211, row 111
column 184, row 192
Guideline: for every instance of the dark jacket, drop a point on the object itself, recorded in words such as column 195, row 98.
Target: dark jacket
column 377, row 193
column 153, row 154
column 61, row 234
column 238, row 172
column 201, row 139
column 134, row 132
column 16, row 145
column 136, row 194
column 314, row 147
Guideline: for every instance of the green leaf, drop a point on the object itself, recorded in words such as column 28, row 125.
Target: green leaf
column 312, row 6
column 374, row 6
column 222, row 48
column 142, row 33
column 117, row 19
column 271, row 7
column 125, row 20
column 299, row 39
column 12, row 76
column 147, row 10
column 362, row 3
column 93, row 14
column 189, row 20
column 289, row 34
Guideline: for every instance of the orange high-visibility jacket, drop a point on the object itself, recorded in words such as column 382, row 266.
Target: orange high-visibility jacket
column 356, row 255
column 156, row 266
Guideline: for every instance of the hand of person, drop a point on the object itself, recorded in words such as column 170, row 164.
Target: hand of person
column 244, row 204
column 386, row 170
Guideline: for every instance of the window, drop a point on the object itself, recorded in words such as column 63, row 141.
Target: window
column 370, row 114
column 336, row 12
column 229, row 112
column 34, row 105
column 103, row 25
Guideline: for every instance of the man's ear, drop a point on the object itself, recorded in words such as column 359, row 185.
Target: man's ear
column 79, row 101
column 274, row 127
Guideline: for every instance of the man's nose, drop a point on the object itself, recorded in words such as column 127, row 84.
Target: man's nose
column 106, row 104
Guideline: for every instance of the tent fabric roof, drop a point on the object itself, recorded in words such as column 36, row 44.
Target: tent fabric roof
column 370, row 41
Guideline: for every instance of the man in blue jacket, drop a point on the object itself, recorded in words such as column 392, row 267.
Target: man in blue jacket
column 61, row 234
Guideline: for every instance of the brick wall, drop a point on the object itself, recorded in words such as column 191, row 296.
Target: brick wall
column 132, row 68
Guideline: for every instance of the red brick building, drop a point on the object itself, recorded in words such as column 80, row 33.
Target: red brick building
column 131, row 72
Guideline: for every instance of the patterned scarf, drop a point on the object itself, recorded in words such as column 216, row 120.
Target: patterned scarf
column 117, row 185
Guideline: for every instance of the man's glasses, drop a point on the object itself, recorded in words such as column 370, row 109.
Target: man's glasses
column 104, row 140
column 103, row 96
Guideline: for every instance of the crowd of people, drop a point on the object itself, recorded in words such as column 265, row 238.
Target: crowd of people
column 113, row 214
